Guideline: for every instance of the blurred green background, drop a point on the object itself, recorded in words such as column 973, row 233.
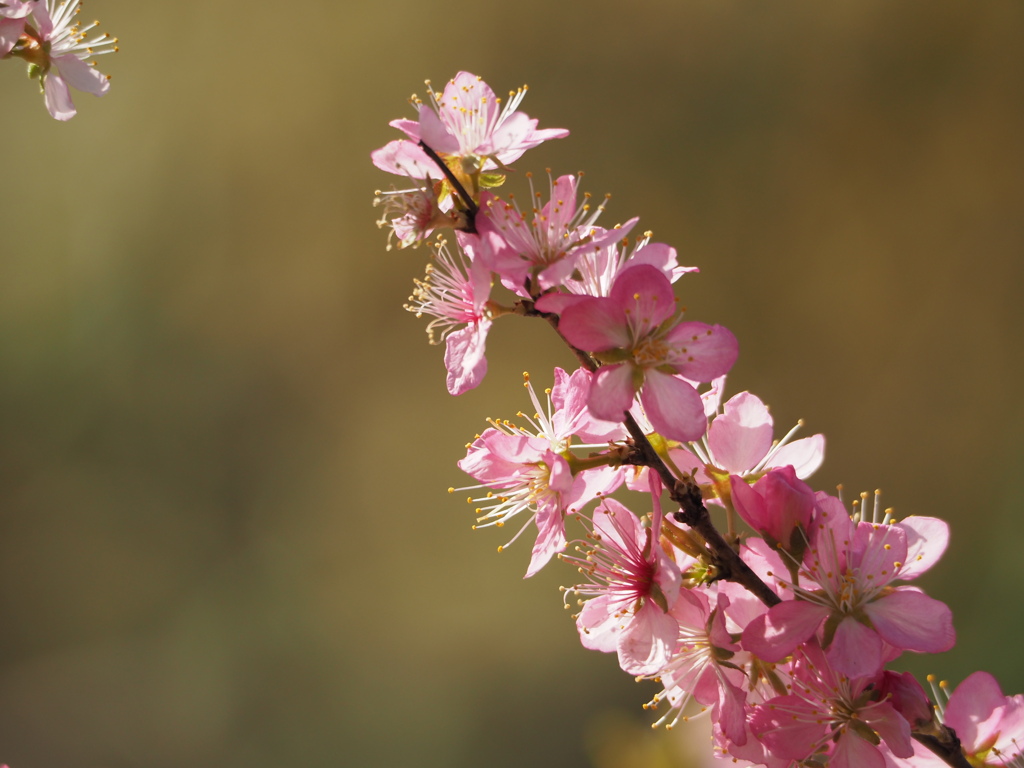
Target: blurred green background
column 224, row 448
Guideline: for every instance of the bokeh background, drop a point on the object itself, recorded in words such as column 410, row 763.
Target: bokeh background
column 224, row 448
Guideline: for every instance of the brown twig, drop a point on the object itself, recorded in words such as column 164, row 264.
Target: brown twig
column 946, row 746
column 471, row 206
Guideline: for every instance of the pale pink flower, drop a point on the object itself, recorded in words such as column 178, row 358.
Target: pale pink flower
column 990, row 725
column 565, row 415
column 645, row 347
column 846, row 585
column 523, row 475
column 467, row 121
column 633, row 584
column 455, row 293
column 739, row 441
column 705, row 665
column 598, row 266
column 531, row 469
column 543, row 247
column 59, row 53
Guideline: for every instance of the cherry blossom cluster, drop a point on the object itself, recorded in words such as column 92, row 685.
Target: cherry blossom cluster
column 58, row 49
column 783, row 625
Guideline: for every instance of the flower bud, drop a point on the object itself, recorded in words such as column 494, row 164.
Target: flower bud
column 775, row 506
column 908, row 697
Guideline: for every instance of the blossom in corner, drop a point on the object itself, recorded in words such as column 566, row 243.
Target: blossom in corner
column 12, row 23
column 829, row 713
column 990, row 726
column 59, row 53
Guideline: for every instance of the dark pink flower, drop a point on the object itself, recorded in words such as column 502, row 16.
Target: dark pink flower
column 778, row 506
column 846, row 586
column 830, row 714
column 645, row 347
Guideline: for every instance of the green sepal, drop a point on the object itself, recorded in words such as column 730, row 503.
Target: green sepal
column 612, row 356
column 865, row 731
column 659, row 597
column 491, row 180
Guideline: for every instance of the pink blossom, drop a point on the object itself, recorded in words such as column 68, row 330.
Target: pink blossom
column 778, row 506
column 632, row 585
column 645, row 347
column 530, row 468
column 59, row 54
column 468, row 122
column 705, row 665
column 546, row 246
column 846, row 579
column 830, row 713
column 740, row 442
column 990, row 726
column 455, row 293
column 599, row 264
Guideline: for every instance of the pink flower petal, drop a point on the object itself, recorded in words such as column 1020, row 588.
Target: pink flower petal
column 703, row 352
column 647, row 642
column 464, row 357
column 81, row 76
column 852, row 751
column 927, row 539
column 975, row 709
column 742, row 435
column 404, row 158
column 673, row 406
column 10, row 31
column 434, row 133
column 775, row 634
column 856, row 650
column 595, row 325
column 612, row 392
column 645, row 295
column 57, row 97
column 550, row 538
column 909, row 619
column 804, row 455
